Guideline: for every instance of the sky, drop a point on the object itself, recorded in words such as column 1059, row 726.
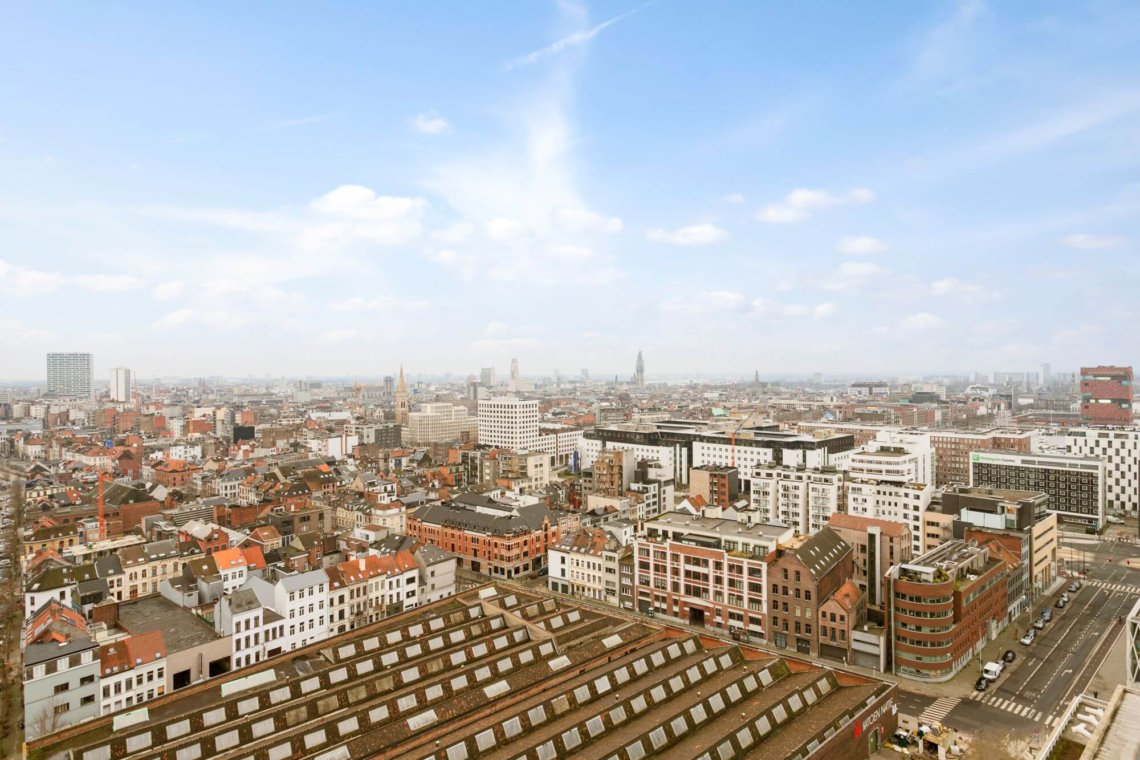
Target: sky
column 338, row 189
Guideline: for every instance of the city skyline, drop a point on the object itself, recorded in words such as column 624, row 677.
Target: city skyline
column 866, row 194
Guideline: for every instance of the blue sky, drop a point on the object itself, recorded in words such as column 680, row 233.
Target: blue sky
column 289, row 188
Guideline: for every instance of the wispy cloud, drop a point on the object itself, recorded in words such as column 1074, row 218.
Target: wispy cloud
column 430, row 124
column 801, row 203
column 574, row 40
column 108, row 283
column 861, row 245
column 695, row 234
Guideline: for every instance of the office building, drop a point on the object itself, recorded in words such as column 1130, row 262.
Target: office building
column 943, row 607
column 509, row 422
column 718, row 485
column 70, row 374
column 122, row 385
column 1076, row 486
column 440, row 423
column 487, row 377
column 1119, row 449
column 1106, row 395
column 877, row 545
column 707, row 571
column 804, row 573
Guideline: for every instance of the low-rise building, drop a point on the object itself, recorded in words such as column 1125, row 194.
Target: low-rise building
column 133, row 671
column 803, row 573
column 585, row 563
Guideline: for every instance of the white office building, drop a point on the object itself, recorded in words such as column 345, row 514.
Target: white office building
column 122, row 385
column 509, row 422
column 439, row 423
column 70, row 374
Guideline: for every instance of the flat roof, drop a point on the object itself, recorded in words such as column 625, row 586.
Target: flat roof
column 181, row 628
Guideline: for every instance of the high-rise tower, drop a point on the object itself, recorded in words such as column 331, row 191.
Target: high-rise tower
column 70, row 374
column 401, row 399
column 639, row 371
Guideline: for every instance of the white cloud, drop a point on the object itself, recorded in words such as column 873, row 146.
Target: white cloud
column 852, row 275
column 733, row 198
column 771, row 309
column 578, row 220
column 359, row 202
column 377, row 304
column 166, row 291
column 966, row 291
column 16, row 280
column 695, row 234
column 1087, row 242
column 107, row 283
column 705, row 302
column 861, row 245
column 801, row 203
column 430, row 124
column 302, row 121
column 571, row 41
column 503, row 228
column 340, row 335
column 218, row 319
column 923, row 321
column 572, row 252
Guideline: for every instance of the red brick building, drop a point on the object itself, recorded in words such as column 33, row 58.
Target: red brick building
column 1106, row 395
column 803, row 574
column 489, row 537
column 943, row 607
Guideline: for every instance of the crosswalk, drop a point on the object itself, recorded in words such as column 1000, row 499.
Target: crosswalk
column 1010, row 706
column 935, row 712
column 1127, row 588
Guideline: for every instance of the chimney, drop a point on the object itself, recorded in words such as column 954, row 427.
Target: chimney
column 360, row 562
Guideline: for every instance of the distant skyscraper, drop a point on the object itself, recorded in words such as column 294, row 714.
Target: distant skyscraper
column 70, row 374
column 1046, row 374
column 401, row 399
column 1106, row 395
column 487, row 376
column 122, row 385
column 514, row 370
column 389, row 385
column 639, row 371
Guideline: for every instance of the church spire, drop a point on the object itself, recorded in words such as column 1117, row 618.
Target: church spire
column 401, row 399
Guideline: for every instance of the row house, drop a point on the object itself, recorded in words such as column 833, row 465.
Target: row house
column 585, row 564
column 132, row 670
column 803, row 573
column 301, row 599
column 256, row 630
column 146, row 566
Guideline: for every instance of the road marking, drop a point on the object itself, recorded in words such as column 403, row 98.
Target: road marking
column 938, row 710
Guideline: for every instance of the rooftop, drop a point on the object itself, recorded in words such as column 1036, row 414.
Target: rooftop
column 180, row 628
column 499, row 673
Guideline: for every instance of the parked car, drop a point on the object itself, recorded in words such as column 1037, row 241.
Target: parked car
column 1009, row 655
column 981, row 684
column 1073, row 587
column 1039, row 623
column 1060, row 603
column 1028, row 638
column 1047, row 614
column 1114, row 520
column 991, row 670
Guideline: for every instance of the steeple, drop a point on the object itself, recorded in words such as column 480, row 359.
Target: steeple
column 401, row 399
column 639, row 371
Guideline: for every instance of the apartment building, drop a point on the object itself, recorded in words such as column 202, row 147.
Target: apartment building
column 133, row 671
column 707, row 571
column 301, row 600
column 882, row 485
column 612, row 472
column 525, row 471
column 585, row 563
column 718, row 485
column 804, row 498
column 1076, row 486
column 70, row 374
column 876, row 545
column 943, row 607
column 803, row 573
column 146, row 566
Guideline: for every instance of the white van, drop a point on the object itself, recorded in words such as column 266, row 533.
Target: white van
column 992, row 670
